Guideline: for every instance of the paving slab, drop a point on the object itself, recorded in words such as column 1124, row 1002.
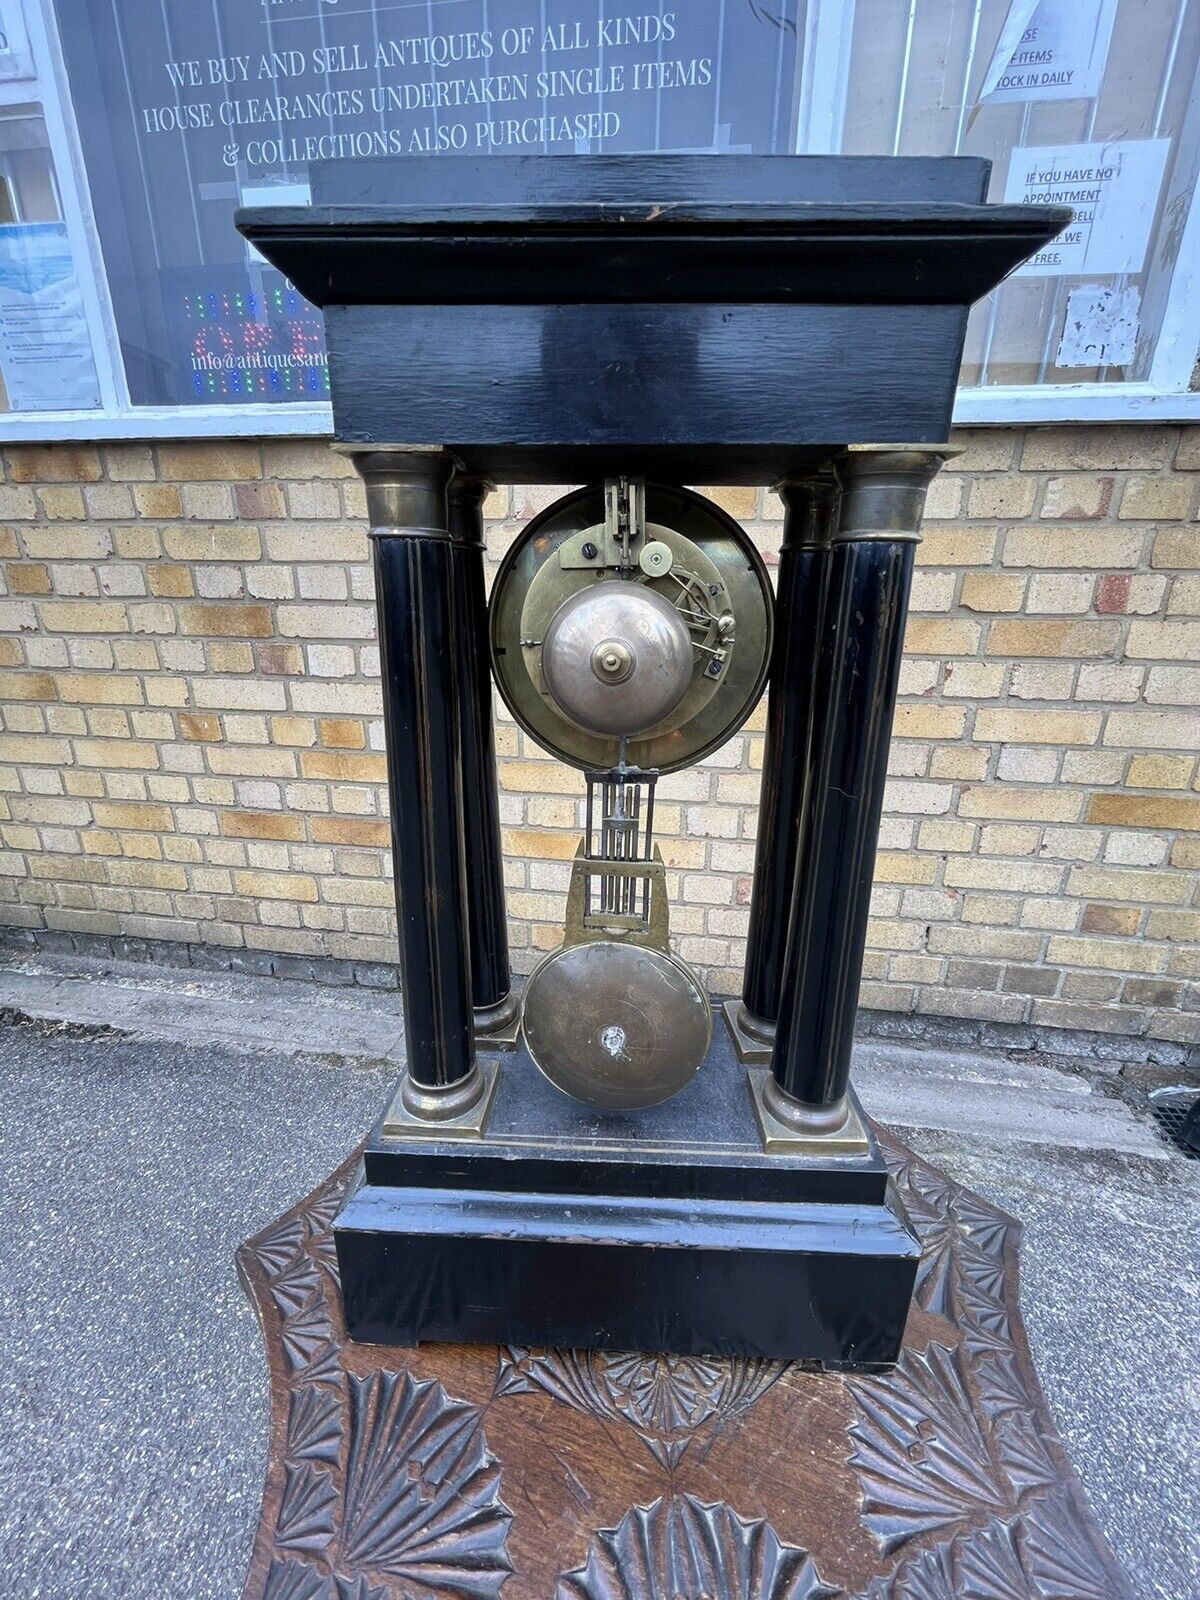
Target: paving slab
column 979, row 1093
column 189, row 1006
column 990, row 1096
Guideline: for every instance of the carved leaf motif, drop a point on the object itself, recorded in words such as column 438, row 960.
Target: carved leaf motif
column 422, row 1490
column 314, row 1428
column 276, row 1249
column 306, row 1510
column 292, row 1580
column 747, row 1379
column 985, row 1323
column 1063, row 1559
column 323, row 1367
column 984, row 1228
column 683, row 1548
column 663, row 1394
column 1023, row 1453
column 980, row 1564
column 929, row 1576
column 989, row 1566
column 962, row 1240
column 1000, row 1383
column 327, row 1203
column 981, row 1274
column 323, row 1250
column 357, row 1589
column 565, row 1375
column 295, row 1287
column 665, row 1399
column 934, row 1286
column 920, row 1454
column 926, row 1193
column 306, row 1334
column 963, row 1243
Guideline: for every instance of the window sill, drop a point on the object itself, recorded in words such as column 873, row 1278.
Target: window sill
column 1079, row 403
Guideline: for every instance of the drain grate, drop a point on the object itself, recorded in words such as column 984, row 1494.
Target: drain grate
column 1170, row 1108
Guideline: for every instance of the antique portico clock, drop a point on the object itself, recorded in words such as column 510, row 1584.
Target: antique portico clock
column 605, row 1160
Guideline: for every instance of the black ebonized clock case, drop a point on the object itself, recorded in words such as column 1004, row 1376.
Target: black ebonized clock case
column 687, row 319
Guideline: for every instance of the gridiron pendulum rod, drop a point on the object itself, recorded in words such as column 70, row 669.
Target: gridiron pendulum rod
column 647, row 847
column 589, row 837
column 631, row 854
column 622, row 832
column 628, row 797
column 629, row 803
column 607, row 844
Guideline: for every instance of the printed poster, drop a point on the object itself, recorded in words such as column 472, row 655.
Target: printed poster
column 185, row 109
column 45, row 348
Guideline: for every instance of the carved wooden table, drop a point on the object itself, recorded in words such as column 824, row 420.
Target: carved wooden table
column 457, row 1472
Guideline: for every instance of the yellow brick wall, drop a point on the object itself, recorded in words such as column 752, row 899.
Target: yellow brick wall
column 191, row 739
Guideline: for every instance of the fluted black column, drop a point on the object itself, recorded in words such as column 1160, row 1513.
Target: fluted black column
column 414, row 586
column 809, row 508
column 491, row 974
column 858, row 667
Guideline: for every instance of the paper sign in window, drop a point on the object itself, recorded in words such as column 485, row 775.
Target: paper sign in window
column 45, row 348
column 1113, row 189
column 1050, row 50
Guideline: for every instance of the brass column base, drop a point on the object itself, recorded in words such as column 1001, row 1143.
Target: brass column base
column 751, row 1049
column 498, row 1027
column 400, row 1121
column 778, row 1138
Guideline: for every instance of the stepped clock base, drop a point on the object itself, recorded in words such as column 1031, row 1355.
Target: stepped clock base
column 669, row 1229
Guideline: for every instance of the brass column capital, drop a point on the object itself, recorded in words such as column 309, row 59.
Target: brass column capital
column 465, row 497
column 810, row 505
column 406, row 488
column 883, row 490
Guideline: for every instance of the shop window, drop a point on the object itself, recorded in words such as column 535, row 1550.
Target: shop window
column 130, row 130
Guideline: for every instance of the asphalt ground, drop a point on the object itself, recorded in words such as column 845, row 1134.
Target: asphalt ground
column 133, row 1390
column 133, row 1395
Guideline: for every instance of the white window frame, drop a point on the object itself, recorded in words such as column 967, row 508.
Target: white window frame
column 824, row 48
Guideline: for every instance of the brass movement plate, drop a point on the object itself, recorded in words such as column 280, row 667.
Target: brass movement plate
column 712, row 710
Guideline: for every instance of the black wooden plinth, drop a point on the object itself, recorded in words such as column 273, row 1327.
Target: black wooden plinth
column 668, row 1230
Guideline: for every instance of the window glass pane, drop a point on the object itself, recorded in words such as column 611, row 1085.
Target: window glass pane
column 187, row 110
column 1090, row 103
column 46, row 359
